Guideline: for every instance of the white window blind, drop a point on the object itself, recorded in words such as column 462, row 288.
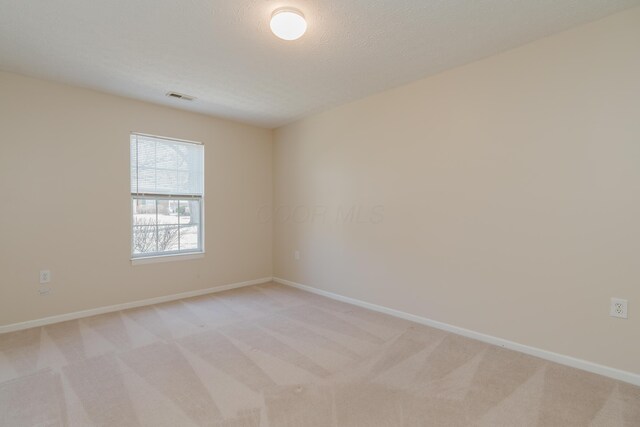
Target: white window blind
column 167, row 190
column 165, row 166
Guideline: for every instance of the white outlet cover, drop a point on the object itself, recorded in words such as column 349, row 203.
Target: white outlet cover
column 296, row 254
column 618, row 308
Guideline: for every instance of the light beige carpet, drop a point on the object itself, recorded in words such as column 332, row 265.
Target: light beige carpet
column 273, row 356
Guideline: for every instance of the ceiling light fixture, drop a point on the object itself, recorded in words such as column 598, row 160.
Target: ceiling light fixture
column 288, row 23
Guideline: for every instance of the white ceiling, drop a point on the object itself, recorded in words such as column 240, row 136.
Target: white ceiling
column 223, row 53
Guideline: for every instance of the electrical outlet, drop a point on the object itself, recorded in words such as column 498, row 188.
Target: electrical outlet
column 618, row 308
column 45, row 276
column 296, row 255
column 44, row 291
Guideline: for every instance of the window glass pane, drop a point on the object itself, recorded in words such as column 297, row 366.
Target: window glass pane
column 189, row 211
column 144, row 239
column 189, row 235
column 144, row 212
column 165, row 225
column 144, row 226
column 167, row 211
column 168, row 238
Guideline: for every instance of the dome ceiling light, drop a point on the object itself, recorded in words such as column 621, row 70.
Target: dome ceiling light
column 288, row 23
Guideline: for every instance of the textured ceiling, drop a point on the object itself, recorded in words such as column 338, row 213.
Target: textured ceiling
column 223, row 53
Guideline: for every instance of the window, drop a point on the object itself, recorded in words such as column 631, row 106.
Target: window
column 167, row 188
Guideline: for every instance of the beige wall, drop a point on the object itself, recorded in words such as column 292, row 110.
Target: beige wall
column 509, row 190
column 65, row 204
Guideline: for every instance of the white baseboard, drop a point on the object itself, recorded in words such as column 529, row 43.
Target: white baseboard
column 562, row 359
column 111, row 308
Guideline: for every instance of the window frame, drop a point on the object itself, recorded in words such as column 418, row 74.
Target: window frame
column 152, row 257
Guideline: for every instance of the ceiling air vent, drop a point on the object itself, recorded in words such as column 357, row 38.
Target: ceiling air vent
column 180, row 96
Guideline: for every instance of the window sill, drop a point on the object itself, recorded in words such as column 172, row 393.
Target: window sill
column 166, row 258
